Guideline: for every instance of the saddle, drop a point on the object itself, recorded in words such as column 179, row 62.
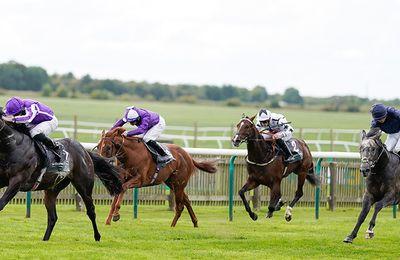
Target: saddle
column 48, row 159
column 160, row 160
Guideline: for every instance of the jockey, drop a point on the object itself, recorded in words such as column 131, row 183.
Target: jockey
column 275, row 126
column 149, row 124
column 38, row 118
column 386, row 119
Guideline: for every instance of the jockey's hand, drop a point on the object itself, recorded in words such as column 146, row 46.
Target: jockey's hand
column 276, row 136
column 125, row 133
column 9, row 118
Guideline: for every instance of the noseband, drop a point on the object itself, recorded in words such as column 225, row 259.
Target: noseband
column 372, row 163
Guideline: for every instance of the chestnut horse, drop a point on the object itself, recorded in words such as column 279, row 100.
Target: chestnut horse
column 140, row 170
column 265, row 165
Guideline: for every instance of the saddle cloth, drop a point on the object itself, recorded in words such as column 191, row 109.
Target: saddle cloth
column 294, row 147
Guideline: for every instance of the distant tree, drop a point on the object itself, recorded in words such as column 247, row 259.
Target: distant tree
column 233, row 102
column 212, row 92
column 47, row 90
column 292, row 96
column 16, row 76
column 101, row 94
column 62, row 91
column 229, row 91
column 259, row 94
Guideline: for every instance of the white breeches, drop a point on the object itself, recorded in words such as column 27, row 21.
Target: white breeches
column 45, row 127
column 393, row 142
column 155, row 131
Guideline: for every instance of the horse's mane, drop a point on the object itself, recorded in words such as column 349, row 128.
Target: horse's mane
column 20, row 128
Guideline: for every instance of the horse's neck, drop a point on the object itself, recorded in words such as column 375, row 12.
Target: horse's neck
column 129, row 146
column 383, row 160
column 257, row 149
column 7, row 137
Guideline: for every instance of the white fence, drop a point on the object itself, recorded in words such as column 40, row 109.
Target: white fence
column 329, row 139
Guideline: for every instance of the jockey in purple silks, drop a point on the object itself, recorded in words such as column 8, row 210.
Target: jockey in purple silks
column 149, row 124
column 39, row 119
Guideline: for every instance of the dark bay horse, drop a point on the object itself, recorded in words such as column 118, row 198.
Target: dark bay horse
column 266, row 166
column 382, row 171
column 21, row 165
column 140, row 170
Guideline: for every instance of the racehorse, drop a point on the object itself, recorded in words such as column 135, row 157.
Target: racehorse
column 141, row 171
column 265, row 165
column 382, row 172
column 21, row 169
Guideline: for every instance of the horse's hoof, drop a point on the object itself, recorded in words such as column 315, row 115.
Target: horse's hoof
column 108, row 223
column 254, row 216
column 97, row 237
column 288, row 218
column 116, row 218
column 280, row 204
column 348, row 239
column 369, row 234
column 269, row 215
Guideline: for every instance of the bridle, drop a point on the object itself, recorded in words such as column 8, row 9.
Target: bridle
column 245, row 140
column 372, row 163
column 118, row 152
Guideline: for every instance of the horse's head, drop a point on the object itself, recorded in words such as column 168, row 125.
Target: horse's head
column 245, row 129
column 371, row 149
column 111, row 142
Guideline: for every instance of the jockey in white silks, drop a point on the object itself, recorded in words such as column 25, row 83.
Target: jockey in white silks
column 275, row 126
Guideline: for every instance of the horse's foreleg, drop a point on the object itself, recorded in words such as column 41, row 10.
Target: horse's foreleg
column 366, row 206
column 387, row 200
column 274, row 199
column 116, row 216
column 248, row 186
column 112, row 209
column 14, row 185
column 299, row 193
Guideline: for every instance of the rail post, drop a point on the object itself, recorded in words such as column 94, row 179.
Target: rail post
column 135, row 202
column 231, row 182
column 28, row 204
column 75, row 127
column 394, row 210
column 318, row 188
column 332, row 186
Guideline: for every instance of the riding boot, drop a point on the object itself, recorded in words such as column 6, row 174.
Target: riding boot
column 156, row 146
column 49, row 143
column 289, row 156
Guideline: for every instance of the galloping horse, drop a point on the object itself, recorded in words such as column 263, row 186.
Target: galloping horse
column 265, row 165
column 21, row 169
column 140, row 170
column 382, row 172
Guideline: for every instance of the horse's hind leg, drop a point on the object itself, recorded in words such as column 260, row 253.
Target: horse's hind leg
column 386, row 201
column 179, row 201
column 85, row 190
column 248, row 186
column 301, row 178
column 50, row 197
column 186, row 201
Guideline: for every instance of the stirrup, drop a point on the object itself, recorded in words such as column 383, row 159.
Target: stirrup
column 293, row 158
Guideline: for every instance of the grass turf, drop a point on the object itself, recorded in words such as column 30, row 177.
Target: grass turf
column 150, row 237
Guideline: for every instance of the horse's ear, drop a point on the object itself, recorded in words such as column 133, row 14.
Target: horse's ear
column 243, row 115
column 252, row 118
column 103, row 133
column 363, row 134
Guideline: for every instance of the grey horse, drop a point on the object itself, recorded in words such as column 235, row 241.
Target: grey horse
column 382, row 171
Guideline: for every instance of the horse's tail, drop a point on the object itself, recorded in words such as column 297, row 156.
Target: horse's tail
column 311, row 177
column 107, row 173
column 207, row 166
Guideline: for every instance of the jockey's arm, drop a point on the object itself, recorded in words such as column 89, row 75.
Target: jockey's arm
column 142, row 128
column 119, row 123
column 31, row 113
column 373, row 131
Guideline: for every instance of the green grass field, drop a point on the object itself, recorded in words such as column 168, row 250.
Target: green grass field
column 150, row 237
column 186, row 114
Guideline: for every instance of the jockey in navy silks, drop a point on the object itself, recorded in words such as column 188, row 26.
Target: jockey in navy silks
column 149, row 124
column 37, row 117
column 386, row 119
column 272, row 125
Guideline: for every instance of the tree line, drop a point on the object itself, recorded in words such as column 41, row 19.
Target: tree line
column 16, row 76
